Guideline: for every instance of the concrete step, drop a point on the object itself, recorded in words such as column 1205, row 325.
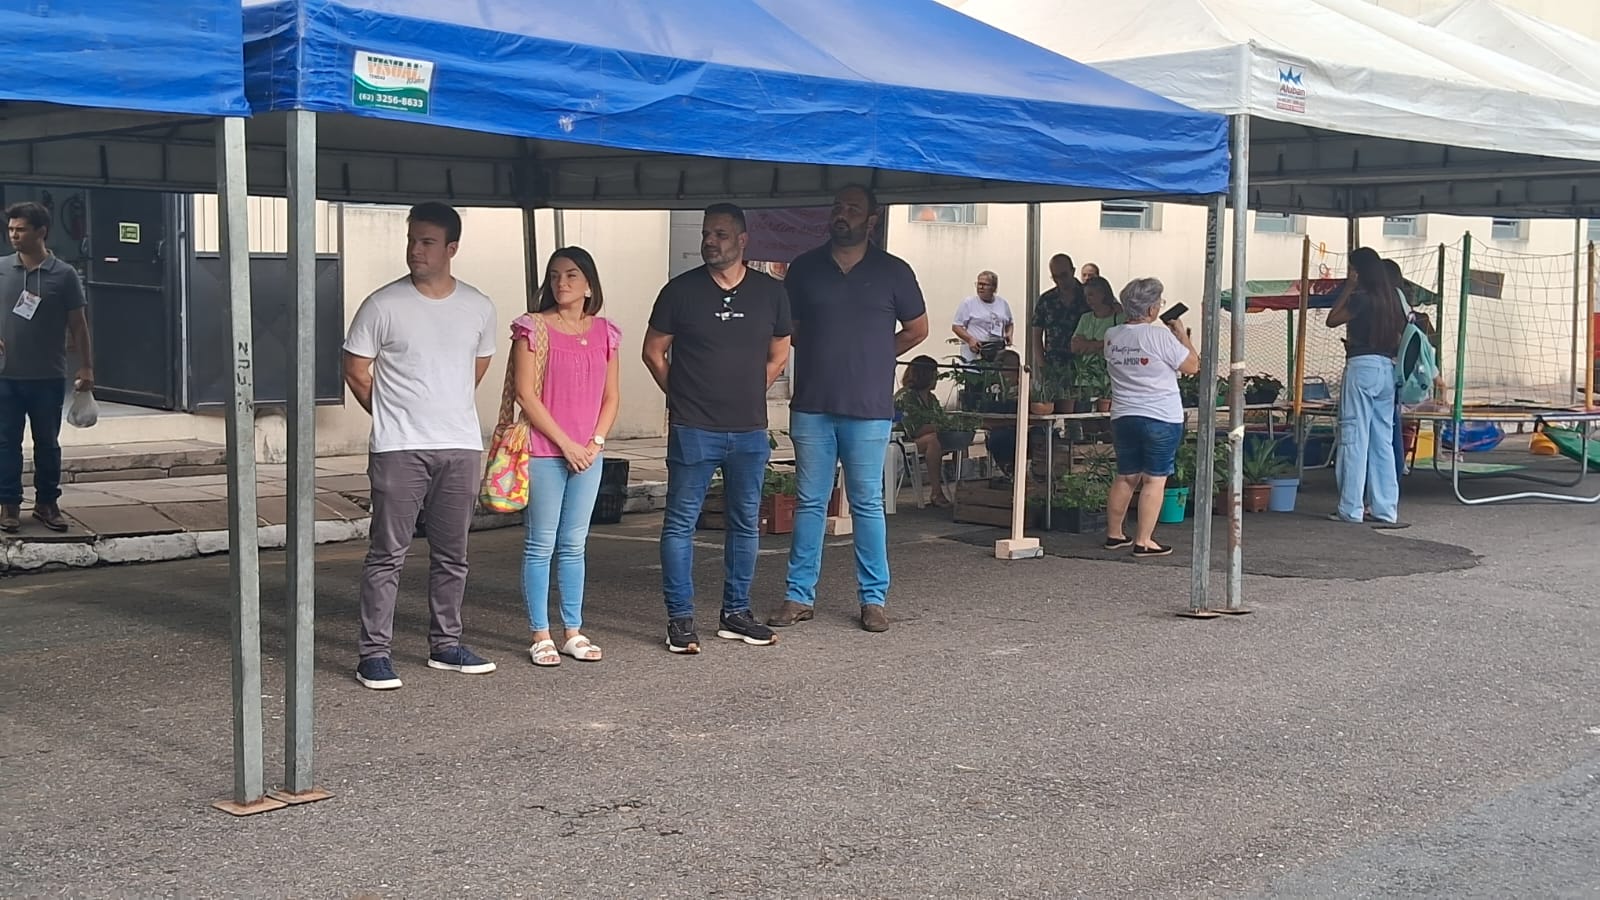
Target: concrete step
column 136, row 461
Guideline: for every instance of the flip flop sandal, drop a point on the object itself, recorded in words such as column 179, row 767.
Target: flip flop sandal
column 580, row 649
column 1151, row 552
column 1115, row 543
column 544, row 653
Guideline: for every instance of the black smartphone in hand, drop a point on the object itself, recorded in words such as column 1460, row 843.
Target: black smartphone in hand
column 1177, row 310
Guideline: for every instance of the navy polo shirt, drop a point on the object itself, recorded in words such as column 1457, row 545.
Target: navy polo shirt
column 845, row 323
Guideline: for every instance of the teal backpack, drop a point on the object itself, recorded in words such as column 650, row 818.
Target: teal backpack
column 1417, row 366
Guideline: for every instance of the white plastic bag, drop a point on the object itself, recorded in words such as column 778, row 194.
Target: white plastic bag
column 83, row 412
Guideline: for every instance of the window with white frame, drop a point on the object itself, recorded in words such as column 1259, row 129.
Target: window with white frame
column 1509, row 229
column 948, row 213
column 1594, row 229
column 1129, row 215
column 1404, row 227
column 1280, row 223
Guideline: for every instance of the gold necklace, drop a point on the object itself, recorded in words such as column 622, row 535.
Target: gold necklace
column 583, row 335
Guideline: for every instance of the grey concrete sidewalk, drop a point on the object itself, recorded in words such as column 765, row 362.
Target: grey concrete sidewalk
column 162, row 511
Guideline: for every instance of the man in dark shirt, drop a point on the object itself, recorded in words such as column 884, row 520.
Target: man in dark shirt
column 41, row 301
column 727, row 329
column 1056, row 314
column 856, row 309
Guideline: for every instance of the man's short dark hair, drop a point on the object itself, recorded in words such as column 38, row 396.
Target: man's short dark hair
column 731, row 211
column 872, row 196
column 441, row 214
column 36, row 215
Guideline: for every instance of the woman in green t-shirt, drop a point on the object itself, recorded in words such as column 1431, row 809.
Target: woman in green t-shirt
column 1104, row 313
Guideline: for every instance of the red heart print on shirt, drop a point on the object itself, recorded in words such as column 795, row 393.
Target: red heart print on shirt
column 1144, row 360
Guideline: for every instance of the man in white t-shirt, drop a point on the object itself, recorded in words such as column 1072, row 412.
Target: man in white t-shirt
column 983, row 317
column 415, row 353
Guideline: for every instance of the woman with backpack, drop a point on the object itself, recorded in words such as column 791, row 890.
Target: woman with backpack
column 1374, row 322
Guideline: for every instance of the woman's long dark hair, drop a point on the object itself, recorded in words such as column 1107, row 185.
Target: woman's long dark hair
column 1385, row 322
column 1104, row 287
column 922, row 373
column 585, row 263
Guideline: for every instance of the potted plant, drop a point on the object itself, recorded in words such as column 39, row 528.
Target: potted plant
column 1180, row 487
column 1189, row 391
column 1261, row 464
column 1262, row 390
column 778, row 501
column 956, row 430
column 1095, row 382
column 1079, row 499
column 1060, row 378
column 1042, row 396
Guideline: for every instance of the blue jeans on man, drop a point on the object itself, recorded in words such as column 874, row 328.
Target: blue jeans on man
column 822, row 441
column 693, row 456
column 38, row 403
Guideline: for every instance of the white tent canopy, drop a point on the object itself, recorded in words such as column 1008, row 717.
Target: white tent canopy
column 1355, row 110
column 1562, row 52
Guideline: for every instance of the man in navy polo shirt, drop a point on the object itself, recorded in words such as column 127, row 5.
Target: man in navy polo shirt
column 855, row 309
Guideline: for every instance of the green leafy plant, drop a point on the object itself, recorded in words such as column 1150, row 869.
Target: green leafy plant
column 779, row 483
column 1091, row 378
column 1262, row 463
column 1087, row 488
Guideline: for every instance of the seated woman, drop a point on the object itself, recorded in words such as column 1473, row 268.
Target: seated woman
column 1144, row 358
column 920, row 412
column 1002, row 439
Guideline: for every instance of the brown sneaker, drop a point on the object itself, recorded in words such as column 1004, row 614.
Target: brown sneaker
column 10, row 517
column 790, row 613
column 49, row 515
column 873, row 618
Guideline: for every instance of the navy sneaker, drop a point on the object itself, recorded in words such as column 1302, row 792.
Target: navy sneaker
column 741, row 626
column 681, row 637
column 377, row 673
column 459, row 659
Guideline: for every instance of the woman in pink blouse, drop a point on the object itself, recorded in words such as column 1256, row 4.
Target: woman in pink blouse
column 569, row 417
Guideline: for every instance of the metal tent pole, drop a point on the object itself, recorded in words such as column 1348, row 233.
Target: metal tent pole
column 1240, row 191
column 1018, row 546
column 244, row 569
column 299, row 782
column 1206, row 416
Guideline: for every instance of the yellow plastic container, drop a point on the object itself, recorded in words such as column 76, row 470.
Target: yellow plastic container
column 1425, row 442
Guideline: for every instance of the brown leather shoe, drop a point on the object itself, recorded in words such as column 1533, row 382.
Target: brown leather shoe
column 10, row 517
column 873, row 617
column 790, row 613
column 49, row 515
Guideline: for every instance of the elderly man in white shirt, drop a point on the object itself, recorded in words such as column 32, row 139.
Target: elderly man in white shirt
column 983, row 318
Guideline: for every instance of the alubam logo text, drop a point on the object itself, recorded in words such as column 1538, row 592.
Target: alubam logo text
column 392, row 82
column 1291, row 87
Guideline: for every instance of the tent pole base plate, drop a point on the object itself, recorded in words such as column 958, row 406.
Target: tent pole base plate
column 254, row 807
column 1235, row 611
column 1197, row 614
column 295, row 799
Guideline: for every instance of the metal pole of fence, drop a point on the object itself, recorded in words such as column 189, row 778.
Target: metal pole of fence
column 1206, row 416
column 1241, row 234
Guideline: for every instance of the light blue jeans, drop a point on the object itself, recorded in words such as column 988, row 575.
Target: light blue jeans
column 560, row 504
column 1366, row 464
column 820, row 442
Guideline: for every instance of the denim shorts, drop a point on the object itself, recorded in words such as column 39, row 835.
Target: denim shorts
column 1145, row 446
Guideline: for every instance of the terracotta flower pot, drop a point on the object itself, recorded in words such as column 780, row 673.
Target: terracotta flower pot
column 778, row 512
column 1256, row 497
column 1041, row 409
column 1102, row 405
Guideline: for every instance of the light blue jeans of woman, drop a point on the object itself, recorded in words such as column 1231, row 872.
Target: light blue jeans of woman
column 1366, row 466
column 560, row 504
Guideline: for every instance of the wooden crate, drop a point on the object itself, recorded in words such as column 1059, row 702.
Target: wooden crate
column 977, row 503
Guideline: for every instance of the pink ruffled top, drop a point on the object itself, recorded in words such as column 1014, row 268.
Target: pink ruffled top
column 574, row 378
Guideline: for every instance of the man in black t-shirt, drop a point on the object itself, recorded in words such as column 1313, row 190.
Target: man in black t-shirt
column 727, row 329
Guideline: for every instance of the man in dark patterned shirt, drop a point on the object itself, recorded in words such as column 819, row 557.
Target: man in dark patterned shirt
column 1056, row 314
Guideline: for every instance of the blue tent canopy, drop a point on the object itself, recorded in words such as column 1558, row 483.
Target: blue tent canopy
column 905, row 86
column 140, row 55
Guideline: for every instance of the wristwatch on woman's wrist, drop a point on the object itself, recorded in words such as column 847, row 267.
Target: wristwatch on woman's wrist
column 598, row 440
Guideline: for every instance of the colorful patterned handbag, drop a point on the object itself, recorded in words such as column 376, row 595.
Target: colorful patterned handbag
column 505, row 478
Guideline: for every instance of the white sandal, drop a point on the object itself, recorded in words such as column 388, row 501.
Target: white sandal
column 581, row 649
column 544, row 653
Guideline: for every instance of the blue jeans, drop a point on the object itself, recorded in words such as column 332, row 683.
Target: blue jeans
column 1366, row 466
column 560, row 504
column 693, row 455
column 1145, row 446
column 38, row 402
column 820, row 442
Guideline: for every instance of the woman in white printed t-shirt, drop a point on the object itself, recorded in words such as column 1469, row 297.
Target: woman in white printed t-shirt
column 1144, row 358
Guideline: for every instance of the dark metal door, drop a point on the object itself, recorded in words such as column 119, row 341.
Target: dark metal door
column 133, row 297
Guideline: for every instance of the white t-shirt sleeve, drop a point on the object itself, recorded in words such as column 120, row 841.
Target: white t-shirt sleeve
column 1172, row 350
column 1005, row 312
column 964, row 313
column 486, row 337
column 366, row 329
